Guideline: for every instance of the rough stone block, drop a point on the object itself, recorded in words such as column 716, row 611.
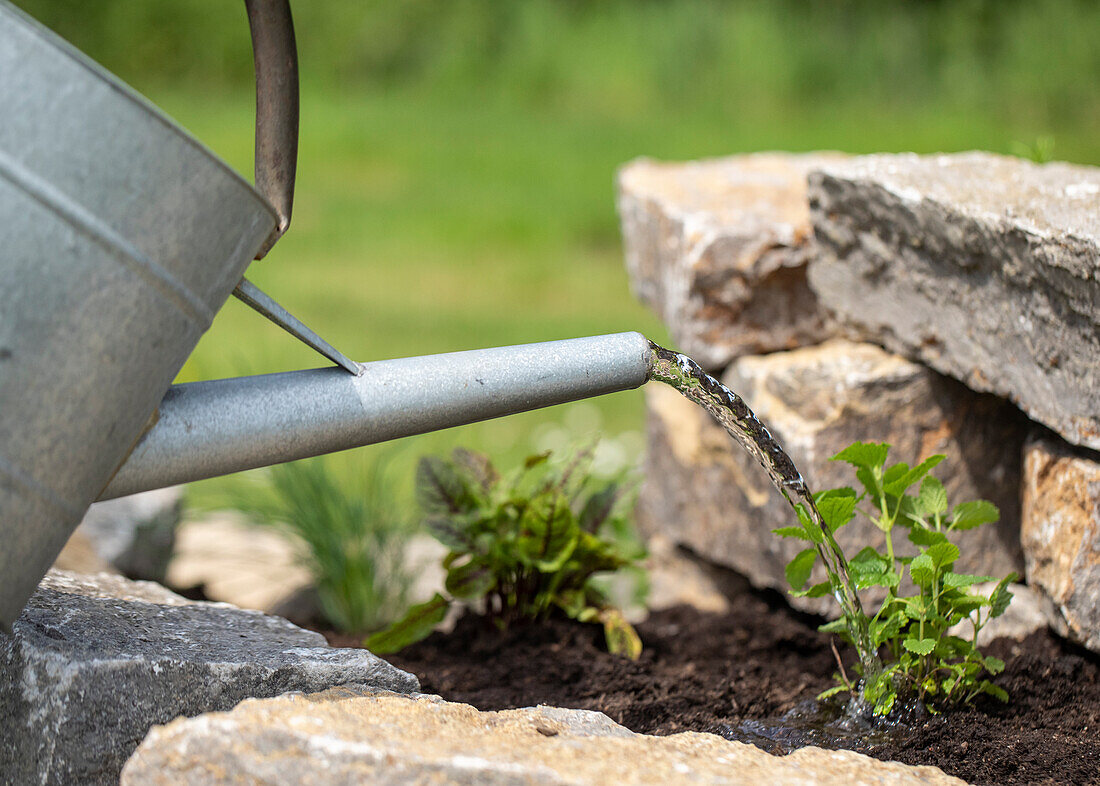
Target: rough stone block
column 1060, row 532
column 707, row 493
column 384, row 739
column 984, row 267
column 95, row 661
column 719, row 250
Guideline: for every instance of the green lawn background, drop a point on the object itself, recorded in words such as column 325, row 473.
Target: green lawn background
column 457, row 160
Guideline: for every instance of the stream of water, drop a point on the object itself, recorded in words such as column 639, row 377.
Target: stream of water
column 684, row 374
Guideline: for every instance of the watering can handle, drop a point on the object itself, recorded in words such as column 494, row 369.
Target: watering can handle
column 276, row 62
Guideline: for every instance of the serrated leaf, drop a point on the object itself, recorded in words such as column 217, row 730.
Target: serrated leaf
column 932, row 498
column 966, row 604
column 868, row 568
column 470, row 581
column 870, row 485
column 868, row 561
column 792, row 532
column 923, row 570
column 968, row 515
column 919, row 646
column 1001, row 597
column 798, row 569
column 958, row 580
column 864, row 455
column 891, row 475
column 417, row 624
column 883, row 630
column 809, row 526
column 867, row 580
column 620, row 635
column 993, row 665
column 819, row 590
column 943, row 553
column 920, row 536
column 896, row 485
column 837, row 507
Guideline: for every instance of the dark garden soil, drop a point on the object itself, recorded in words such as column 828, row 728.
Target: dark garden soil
column 736, row 673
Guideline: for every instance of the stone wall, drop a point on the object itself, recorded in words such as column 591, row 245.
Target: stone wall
column 943, row 304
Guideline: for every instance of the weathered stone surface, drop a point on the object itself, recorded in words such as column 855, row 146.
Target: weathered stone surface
column 984, row 267
column 719, row 250
column 706, row 492
column 1060, row 532
column 135, row 534
column 254, row 567
column 79, row 555
column 94, row 661
column 384, row 739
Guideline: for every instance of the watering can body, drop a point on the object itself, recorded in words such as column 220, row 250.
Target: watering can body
column 120, row 238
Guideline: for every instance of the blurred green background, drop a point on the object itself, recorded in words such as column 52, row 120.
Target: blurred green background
column 457, row 160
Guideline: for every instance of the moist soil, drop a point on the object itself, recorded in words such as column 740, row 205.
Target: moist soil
column 752, row 674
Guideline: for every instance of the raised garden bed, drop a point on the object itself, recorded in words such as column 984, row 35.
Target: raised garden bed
column 735, row 673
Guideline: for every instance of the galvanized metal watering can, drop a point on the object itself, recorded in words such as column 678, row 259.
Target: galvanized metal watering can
column 120, row 238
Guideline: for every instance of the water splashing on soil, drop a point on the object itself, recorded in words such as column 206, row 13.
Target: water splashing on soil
column 686, row 376
column 826, row 724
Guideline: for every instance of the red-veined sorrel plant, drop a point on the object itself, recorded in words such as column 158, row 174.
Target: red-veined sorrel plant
column 522, row 546
column 922, row 657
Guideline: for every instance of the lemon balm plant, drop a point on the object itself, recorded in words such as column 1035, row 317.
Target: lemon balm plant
column 912, row 630
column 523, row 546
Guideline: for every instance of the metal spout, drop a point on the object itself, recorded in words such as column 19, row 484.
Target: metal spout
column 215, row 428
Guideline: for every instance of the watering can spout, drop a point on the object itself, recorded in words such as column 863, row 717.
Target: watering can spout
column 205, row 429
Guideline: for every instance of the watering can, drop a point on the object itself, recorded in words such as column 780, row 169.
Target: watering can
column 120, row 238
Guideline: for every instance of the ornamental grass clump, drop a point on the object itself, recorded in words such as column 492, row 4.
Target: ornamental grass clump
column 350, row 534
column 912, row 629
column 523, row 546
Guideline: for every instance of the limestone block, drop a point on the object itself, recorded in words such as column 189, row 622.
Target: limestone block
column 1060, row 532
column 984, row 267
column 705, row 492
column 94, row 661
column 719, row 250
column 235, row 561
column 386, row 739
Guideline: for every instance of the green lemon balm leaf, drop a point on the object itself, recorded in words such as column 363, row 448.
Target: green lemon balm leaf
column 969, row 515
column 923, row 570
column 864, row 455
column 943, row 553
column 919, row 646
column 932, row 498
column 798, row 569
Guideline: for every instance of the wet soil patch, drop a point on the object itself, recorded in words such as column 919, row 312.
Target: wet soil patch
column 739, row 673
